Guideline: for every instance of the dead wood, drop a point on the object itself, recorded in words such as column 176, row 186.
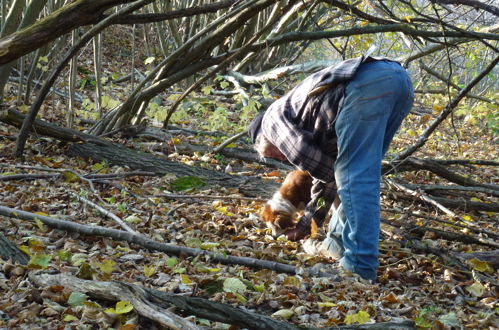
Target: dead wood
column 492, row 257
column 147, row 243
column 118, row 291
column 444, row 203
column 119, row 155
column 411, row 164
column 77, row 13
column 454, row 188
column 99, row 149
column 9, row 250
column 470, row 226
column 153, row 304
column 437, row 233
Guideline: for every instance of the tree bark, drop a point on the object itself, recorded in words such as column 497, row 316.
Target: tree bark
column 9, row 250
column 146, row 300
column 60, row 22
column 100, row 149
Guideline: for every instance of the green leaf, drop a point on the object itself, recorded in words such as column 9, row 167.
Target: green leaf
column 149, row 60
column 122, row 307
column 361, row 317
column 476, row 289
column 321, row 202
column 207, row 89
column 187, row 182
column 481, row 266
column 97, row 167
column 133, row 219
column 69, row 318
column 64, row 255
column 39, row 224
column 171, row 262
column 179, row 270
column 241, row 298
column 208, row 245
column 150, row 270
column 284, row 313
column 234, row 285
column 259, row 288
column 39, row 261
column 450, row 320
column 186, row 280
column 77, row 299
column 107, row 266
column 70, row 177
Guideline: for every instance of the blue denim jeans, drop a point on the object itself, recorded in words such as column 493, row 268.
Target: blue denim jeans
column 375, row 103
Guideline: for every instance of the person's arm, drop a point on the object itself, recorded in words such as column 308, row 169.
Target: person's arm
column 323, row 195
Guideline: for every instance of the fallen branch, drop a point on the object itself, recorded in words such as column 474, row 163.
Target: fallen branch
column 175, row 196
column 100, row 149
column 150, row 244
column 105, row 212
column 411, row 164
column 477, row 229
column 146, row 300
column 443, row 203
column 449, row 236
column 118, row 291
column 428, row 187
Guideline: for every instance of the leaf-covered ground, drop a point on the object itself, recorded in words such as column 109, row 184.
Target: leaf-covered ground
column 411, row 285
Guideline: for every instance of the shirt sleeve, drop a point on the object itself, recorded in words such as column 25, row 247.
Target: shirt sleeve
column 323, row 195
column 295, row 143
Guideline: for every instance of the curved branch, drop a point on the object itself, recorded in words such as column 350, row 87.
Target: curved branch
column 180, row 13
column 449, row 108
column 471, row 3
column 35, row 107
column 78, row 13
column 371, row 29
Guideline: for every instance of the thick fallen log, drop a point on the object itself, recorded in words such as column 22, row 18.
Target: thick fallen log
column 100, row 149
column 118, row 291
column 146, row 300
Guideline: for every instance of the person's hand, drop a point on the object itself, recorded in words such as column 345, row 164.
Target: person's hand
column 295, row 234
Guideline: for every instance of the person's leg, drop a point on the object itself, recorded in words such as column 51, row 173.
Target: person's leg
column 377, row 92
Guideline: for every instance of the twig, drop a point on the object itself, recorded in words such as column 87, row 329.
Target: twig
column 450, row 236
column 448, row 110
column 175, row 196
column 58, row 170
column 424, row 197
column 29, row 176
column 105, row 212
column 229, row 141
column 412, row 214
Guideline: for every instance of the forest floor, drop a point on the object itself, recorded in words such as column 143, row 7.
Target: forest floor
column 412, row 284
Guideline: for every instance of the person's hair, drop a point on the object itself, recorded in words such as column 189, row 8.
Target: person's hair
column 261, row 144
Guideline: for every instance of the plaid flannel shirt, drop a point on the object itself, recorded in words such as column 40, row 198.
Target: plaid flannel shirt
column 301, row 126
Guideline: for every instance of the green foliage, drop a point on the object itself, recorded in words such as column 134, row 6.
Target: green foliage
column 187, row 182
column 427, row 316
column 219, row 120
